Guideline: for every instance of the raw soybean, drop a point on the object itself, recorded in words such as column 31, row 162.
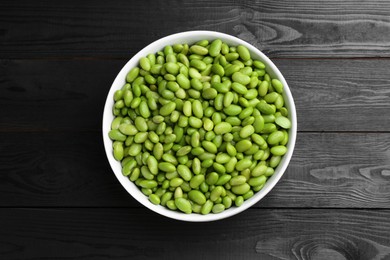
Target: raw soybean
column 199, row 128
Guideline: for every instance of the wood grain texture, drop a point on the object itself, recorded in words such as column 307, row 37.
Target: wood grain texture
column 57, row 169
column 339, row 95
column 70, row 170
column 285, row 28
column 140, row 234
column 330, row 95
column 52, row 95
column 59, row 197
column 336, row 170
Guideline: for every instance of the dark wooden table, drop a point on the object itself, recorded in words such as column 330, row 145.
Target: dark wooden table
column 59, row 198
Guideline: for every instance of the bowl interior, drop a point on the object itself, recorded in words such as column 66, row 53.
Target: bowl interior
column 190, row 38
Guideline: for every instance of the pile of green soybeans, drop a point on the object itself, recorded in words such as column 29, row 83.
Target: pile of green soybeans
column 199, row 128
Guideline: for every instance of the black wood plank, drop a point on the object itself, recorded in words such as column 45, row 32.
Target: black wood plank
column 43, row 95
column 57, row 169
column 116, row 29
column 336, row 170
column 330, row 95
column 339, row 95
column 141, row 234
column 70, row 170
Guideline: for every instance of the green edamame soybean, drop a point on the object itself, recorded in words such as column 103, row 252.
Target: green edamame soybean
column 209, row 93
column 140, row 124
column 195, row 122
column 232, row 110
column 132, row 75
column 152, row 164
column 241, row 189
column 183, row 205
column 259, row 170
column 216, row 193
column 222, row 128
column 175, row 182
column 243, row 52
column 166, row 167
column 247, row 131
column 283, row 122
column 239, row 201
column 243, row 164
column 207, row 207
column 118, row 150
column 275, row 137
column 232, row 56
column 257, row 181
column 196, row 181
column 184, row 172
column 208, row 125
column 149, row 184
column 200, row 50
column 212, row 178
column 167, row 109
column 215, row 48
column 154, row 199
column 209, row 146
column 278, row 150
column 197, row 197
column 277, row 85
column 239, row 88
column 195, row 139
column 218, row 208
column 116, row 135
column 243, row 146
column 274, row 161
column 197, row 109
column 241, row 78
column 263, row 88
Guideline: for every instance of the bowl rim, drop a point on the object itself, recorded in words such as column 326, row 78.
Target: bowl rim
column 190, row 37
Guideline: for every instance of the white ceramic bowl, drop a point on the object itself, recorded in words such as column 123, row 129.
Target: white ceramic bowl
column 192, row 37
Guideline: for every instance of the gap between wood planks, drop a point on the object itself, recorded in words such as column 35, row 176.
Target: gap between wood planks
column 71, row 130
column 126, row 58
column 255, row 207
